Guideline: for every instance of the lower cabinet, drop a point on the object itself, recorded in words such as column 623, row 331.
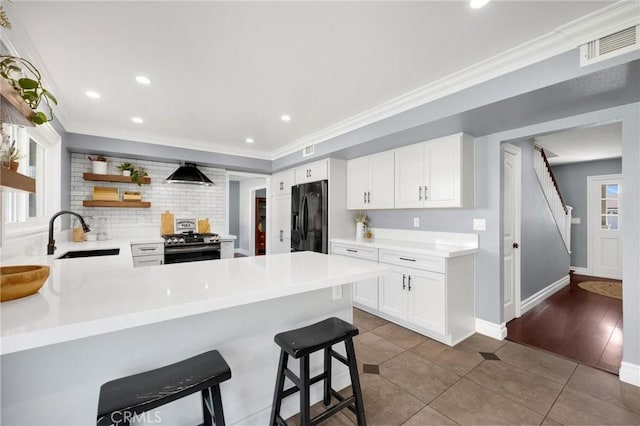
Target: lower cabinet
column 434, row 296
column 227, row 249
column 147, row 254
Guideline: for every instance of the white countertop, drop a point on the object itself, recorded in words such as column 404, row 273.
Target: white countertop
column 95, row 295
column 429, row 248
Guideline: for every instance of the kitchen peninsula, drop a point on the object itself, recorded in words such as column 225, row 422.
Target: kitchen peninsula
column 100, row 318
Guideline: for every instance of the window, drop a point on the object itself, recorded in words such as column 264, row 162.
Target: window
column 609, row 206
column 39, row 149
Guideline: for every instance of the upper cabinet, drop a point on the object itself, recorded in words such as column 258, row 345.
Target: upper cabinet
column 436, row 173
column 281, row 183
column 370, row 182
column 311, row 172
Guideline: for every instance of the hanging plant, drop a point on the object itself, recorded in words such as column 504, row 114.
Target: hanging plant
column 4, row 19
column 25, row 78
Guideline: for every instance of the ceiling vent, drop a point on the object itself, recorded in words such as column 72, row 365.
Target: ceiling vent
column 609, row 46
column 308, row 150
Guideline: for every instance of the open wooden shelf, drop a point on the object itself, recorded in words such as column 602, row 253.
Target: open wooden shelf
column 18, row 112
column 125, row 204
column 15, row 180
column 113, row 178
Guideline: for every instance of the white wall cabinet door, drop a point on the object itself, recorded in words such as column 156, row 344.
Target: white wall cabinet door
column 409, row 176
column 357, row 183
column 442, row 172
column 365, row 292
column 380, row 194
column 426, row 299
column 393, row 293
column 281, row 183
column 281, row 224
column 312, row 172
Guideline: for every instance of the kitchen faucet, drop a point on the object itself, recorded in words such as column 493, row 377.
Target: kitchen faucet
column 51, row 247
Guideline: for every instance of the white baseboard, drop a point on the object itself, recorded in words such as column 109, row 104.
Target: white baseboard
column 533, row 300
column 496, row 331
column 579, row 270
column 630, row 373
column 241, row 251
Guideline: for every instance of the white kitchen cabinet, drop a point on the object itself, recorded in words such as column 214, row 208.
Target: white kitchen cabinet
column 435, row 173
column 365, row 292
column 282, row 182
column 370, row 182
column 311, row 172
column 148, row 254
column 281, row 224
column 227, row 249
column 393, row 294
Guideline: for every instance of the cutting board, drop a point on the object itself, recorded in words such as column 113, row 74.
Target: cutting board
column 204, row 226
column 166, row 223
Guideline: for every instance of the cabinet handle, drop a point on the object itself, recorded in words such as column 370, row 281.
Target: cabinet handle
column 407, row 259
column 368, row 197
column 404, row 285
column 148, row 249
column 409, row 282
column 281, row 186
column 281, row 235
column 352, row 250
column 425, row 192
column 365, row 197
column 419, row 193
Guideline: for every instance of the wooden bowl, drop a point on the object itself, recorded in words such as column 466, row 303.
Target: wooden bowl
column 20, row 281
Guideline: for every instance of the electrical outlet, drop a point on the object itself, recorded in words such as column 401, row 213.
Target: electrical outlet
column 416, row 222
column 479, row 224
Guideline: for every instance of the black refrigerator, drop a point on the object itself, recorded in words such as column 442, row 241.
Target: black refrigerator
column 309, row 217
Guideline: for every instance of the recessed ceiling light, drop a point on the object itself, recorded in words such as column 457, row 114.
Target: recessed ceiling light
column 92, row 94
column 249, row 140
column 143, row 80
column 285, row 118
column 137, row 120
column 477, row 4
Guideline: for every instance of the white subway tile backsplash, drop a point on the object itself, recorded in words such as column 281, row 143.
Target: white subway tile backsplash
column 194, row 201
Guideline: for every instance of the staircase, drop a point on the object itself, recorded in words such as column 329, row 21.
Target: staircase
column 560, row 210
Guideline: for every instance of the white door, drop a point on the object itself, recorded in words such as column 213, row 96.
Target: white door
column 511, row 233
column 393, row 293
column 426, row 300
column 380, row 194
column 357, row 183
column 365, row 293
column 409, row 176
column 442, row 172
column 604, row 238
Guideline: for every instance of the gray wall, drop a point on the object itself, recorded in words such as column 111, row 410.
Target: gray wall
column 544, row 258
column 572, row 180
column 261, row 193
column 234, row 210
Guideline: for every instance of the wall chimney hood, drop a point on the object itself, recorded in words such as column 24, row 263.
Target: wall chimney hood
column 189, row 173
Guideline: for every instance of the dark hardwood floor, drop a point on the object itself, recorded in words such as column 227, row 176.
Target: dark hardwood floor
column 575, row 323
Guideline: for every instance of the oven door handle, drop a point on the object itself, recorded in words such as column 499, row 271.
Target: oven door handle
column 198, row 249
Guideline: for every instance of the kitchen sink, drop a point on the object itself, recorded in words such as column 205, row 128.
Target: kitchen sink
column 89, row 253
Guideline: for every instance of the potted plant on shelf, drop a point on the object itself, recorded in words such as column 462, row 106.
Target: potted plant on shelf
column 25, row 78
column 98, row 165
column 126, row 169
column 137, row 175
column 361, row 224
column 14, row 157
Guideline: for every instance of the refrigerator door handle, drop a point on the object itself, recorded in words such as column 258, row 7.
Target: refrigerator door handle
column 304, row 218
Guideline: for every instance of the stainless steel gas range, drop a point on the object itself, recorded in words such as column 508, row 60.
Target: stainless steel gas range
column 191, row 247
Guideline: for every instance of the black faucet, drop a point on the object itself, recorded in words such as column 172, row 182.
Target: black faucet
column 51, row 247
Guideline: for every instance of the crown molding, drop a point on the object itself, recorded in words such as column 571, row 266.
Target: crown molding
column 615, row 17
column 183, row 143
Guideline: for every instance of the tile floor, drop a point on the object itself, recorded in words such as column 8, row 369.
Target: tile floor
column 408, row 379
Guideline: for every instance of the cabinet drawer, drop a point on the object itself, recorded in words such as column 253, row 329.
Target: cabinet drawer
column 418, row 261
column 355, row 251
column 147, row 249
column 148, row 260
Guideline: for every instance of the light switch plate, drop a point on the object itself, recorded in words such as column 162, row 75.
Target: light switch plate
column 479, row 224
column 416, row 222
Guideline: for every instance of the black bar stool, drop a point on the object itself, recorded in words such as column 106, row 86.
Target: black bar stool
column 123, row 399
column 300, row 344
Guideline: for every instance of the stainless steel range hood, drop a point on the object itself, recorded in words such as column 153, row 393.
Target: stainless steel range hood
column 189, row 173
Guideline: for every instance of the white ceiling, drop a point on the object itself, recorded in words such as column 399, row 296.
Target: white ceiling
column 583, row 144
column 225, row 71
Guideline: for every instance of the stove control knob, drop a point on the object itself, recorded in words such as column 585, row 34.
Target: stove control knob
column 174, row 240
column 181, row 240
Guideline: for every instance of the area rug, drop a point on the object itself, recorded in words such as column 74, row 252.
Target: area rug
column 603, row 288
